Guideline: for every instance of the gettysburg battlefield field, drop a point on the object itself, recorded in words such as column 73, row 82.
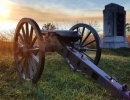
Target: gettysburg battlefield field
column 58, row 82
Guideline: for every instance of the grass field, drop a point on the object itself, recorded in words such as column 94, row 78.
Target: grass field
column 58, row 82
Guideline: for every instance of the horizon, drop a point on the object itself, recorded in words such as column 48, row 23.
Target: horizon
column 63, row 13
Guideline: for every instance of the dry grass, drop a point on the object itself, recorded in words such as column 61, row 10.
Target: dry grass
column 6, row 47
column 128, row 39
column 6, row 42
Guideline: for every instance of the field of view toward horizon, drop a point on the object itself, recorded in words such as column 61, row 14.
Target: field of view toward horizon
column 58, row 82
column 65, row 13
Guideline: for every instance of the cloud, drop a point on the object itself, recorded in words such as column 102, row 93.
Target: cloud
column 50, row 14
column 128, row 16
column 56, row 14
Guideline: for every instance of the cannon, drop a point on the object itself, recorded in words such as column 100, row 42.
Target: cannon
column 79, row 46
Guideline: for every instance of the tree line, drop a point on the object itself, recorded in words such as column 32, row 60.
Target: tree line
column 51, row 26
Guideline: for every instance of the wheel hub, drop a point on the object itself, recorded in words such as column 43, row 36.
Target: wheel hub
column 23, row 51
column 80, row 48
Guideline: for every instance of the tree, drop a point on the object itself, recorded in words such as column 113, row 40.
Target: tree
column 128, row 28
column 49, row 26
column 94, row 24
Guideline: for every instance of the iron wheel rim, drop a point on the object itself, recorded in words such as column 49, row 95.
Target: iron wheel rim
column 29, row 50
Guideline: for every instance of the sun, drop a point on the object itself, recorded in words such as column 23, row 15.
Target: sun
column 4, row 11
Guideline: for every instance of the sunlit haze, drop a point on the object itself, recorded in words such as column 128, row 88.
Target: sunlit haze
column 63, row 13
column 4, row 11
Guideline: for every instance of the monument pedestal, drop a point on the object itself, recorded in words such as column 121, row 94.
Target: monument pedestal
column 114, row 42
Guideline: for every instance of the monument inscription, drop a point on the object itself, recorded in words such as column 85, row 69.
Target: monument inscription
column 110, row 24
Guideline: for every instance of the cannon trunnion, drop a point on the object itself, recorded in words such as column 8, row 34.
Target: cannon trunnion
column 80, row 46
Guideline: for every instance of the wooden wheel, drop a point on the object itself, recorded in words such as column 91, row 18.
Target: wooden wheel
column 88, row 45
column 29, row 50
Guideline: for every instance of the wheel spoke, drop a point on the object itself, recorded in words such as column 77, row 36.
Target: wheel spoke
column 83, row 31
column 19, row 68
column 27, row 74
column 86, row 38
column 31, row 34
column 89, row 43
column 84, row 49
column 88, row 49
column 30, row 69
column 27, row 31
column 82, row 34
column 19, row 44
column 34, row 50
column 20, row 60
column 33, row 41
column 35, row 58
column 77, row 29
column 21, row 37
column 87, row 56
column 33, row 65
column 24, row 75
column 24, row 35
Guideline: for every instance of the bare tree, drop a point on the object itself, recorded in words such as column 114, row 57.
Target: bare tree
column 49, row 26
column 128, row 28
column 94, row 24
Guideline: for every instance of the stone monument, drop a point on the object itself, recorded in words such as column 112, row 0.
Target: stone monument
column 114, row 26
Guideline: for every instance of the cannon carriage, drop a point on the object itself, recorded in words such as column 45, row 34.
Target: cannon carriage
column 80, row 47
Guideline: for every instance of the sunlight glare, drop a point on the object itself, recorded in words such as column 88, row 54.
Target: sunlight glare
column 4, row 11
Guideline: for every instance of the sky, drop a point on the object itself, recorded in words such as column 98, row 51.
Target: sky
column 62, row 13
